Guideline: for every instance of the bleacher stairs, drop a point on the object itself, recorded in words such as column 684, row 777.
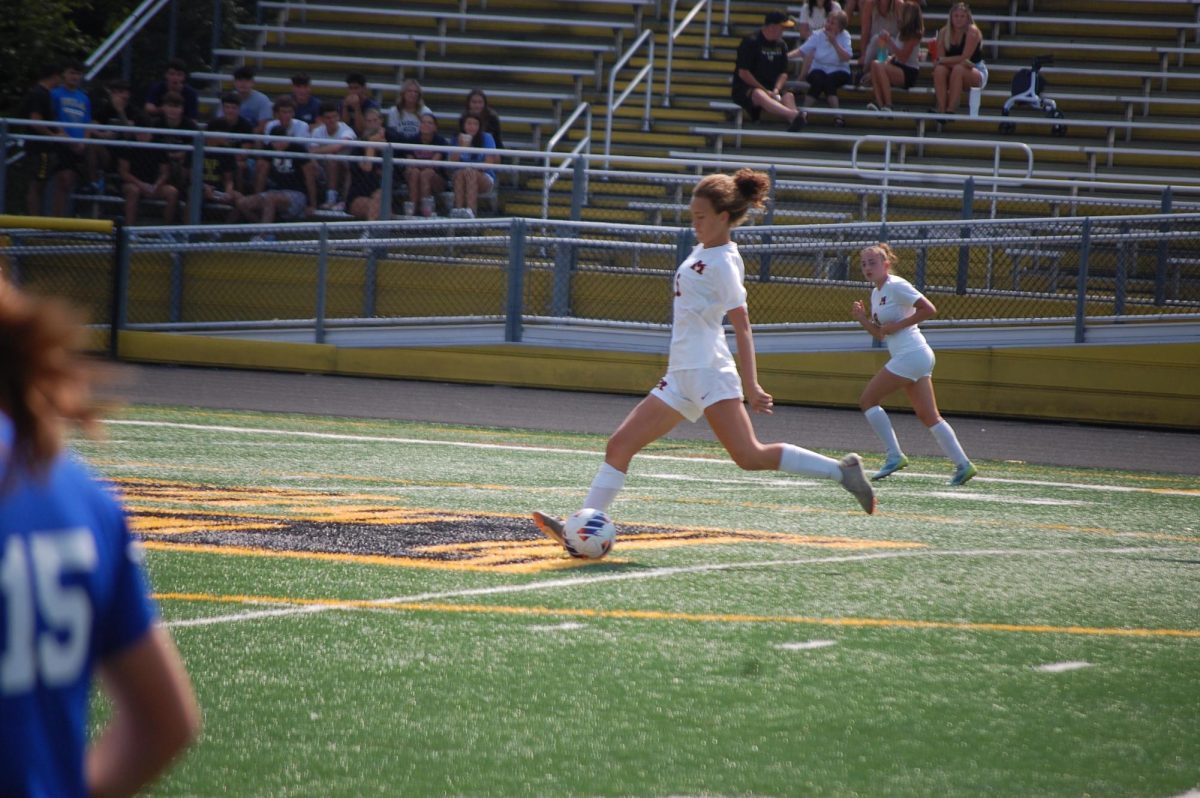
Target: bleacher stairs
column 1126, row 76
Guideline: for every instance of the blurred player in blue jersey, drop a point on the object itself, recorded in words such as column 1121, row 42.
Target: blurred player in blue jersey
column 73, row 595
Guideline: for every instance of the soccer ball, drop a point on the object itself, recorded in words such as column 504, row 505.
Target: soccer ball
column 589, row 534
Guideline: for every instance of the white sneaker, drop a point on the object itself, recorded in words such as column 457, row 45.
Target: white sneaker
column 458, row 213
column 854, row 479
column 468, row 213
column 408, row 208
column 872, row 107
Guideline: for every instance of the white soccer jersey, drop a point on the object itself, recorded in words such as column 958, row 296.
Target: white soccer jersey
column 893, row 302
column 708, row 284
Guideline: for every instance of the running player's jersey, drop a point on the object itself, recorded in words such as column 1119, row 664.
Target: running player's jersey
column 72, row 592
column 893, row 302
column 708, row 284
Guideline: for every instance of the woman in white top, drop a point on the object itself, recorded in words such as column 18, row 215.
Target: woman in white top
column 826, row 64
column 897, row 307
column 702, row 378
column 404, row 118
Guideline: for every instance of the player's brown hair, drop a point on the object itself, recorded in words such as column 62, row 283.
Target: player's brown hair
column 735, row 194
column 884, row 249
column 45, row 379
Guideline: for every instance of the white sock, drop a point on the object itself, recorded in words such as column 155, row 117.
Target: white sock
column 605, row 487
column 877, row 417
column 943, row 433
column 801, row 461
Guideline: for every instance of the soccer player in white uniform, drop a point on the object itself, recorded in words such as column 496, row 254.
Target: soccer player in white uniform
column 897, row 307
column 702, row 377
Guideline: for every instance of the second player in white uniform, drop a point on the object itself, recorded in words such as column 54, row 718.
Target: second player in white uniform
column 702, row 377
column 897, row 307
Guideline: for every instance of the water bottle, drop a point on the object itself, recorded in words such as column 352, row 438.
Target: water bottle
column 881, row 55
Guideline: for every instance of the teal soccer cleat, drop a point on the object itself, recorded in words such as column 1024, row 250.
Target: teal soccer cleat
column 891, row 467
column 963, row 474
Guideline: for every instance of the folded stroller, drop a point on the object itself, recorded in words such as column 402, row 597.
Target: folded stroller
column 1027, row 88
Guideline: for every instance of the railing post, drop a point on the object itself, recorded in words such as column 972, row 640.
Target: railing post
column 922, row 261
column 196, row 190
column 683, row 244
column 1081, row 282
column 1160, row 272
column 764, row 261
column 4, row 167
column 120, row 281
column 385, row 185
column 173, row 29
column 964, row 251
column 516, row 281
column 217, row 24
column 322, row 280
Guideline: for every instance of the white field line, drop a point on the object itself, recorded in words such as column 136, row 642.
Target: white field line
column 806, row 645
column 1062, row 667
column 652, row 573
column 333, row 436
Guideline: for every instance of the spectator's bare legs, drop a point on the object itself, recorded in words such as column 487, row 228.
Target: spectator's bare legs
column 64, row 187
column 33, row 195
column 133, row 195
column 963, row 75
column 941, row 79
column 883, row 77
column 366, row 207
column 784, row 107
column 170, row 195
column 468, row 185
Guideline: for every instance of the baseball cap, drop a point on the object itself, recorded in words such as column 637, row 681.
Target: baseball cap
column 779, row 18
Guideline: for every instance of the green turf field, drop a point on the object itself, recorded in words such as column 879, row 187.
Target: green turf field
column 366, row 610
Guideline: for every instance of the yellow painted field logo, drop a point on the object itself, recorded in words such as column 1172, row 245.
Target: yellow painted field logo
column 369, row 528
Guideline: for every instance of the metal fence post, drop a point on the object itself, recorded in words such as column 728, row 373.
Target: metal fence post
column 1160, row 272
column 120, row 282
column 683, row 244
column 922, row 261
column 217, row 24
column 385, row 185
column 1081, row 283
column 1122, row 275
column 322, row 279
column 173, row 30
column 516, row 281
column 964, row 251
column 764, row 260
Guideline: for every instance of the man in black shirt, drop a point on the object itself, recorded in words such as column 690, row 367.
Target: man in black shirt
column 39, row 155
column 762, row 69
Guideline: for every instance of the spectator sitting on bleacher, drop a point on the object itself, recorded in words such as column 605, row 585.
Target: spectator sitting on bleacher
column 111, row 108
column 425, row 182
column 477, row 103
column 356, row 102
column 176, row 129
column 826, row 63
column 285, row 122
column 220, row 169
column 230, row 120
column 903, row 67
column 285, row 186
column 364, row 196
column 146, row 174
column 308, row 107
column 878, row 17
column 174, row 79
column 255, row 107
column 75, row 158
column 470, row 182
column 38, row 105
column 327, row 135
column 761, row 70
column 811, row 18
column 404, row 118
column 959, row 63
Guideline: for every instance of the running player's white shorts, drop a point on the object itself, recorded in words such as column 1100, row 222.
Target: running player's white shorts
column 912, row 365
column 689, row 391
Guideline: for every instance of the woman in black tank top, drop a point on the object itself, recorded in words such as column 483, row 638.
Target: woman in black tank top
column 959, row 64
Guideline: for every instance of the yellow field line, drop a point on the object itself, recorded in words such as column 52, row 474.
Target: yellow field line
column 659, row 615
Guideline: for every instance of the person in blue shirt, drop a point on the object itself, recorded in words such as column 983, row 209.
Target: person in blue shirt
column 73, row 594
column 75, row 158
column 470, row 182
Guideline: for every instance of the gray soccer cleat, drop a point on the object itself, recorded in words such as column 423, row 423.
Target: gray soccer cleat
column 891, row 467
column 551, row 527
column 963, row 474
column 854, row 479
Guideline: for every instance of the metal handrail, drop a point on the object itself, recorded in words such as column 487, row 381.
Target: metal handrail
column 120, row 38
column 705, row 4
column 584, row 145
column 646, row 73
